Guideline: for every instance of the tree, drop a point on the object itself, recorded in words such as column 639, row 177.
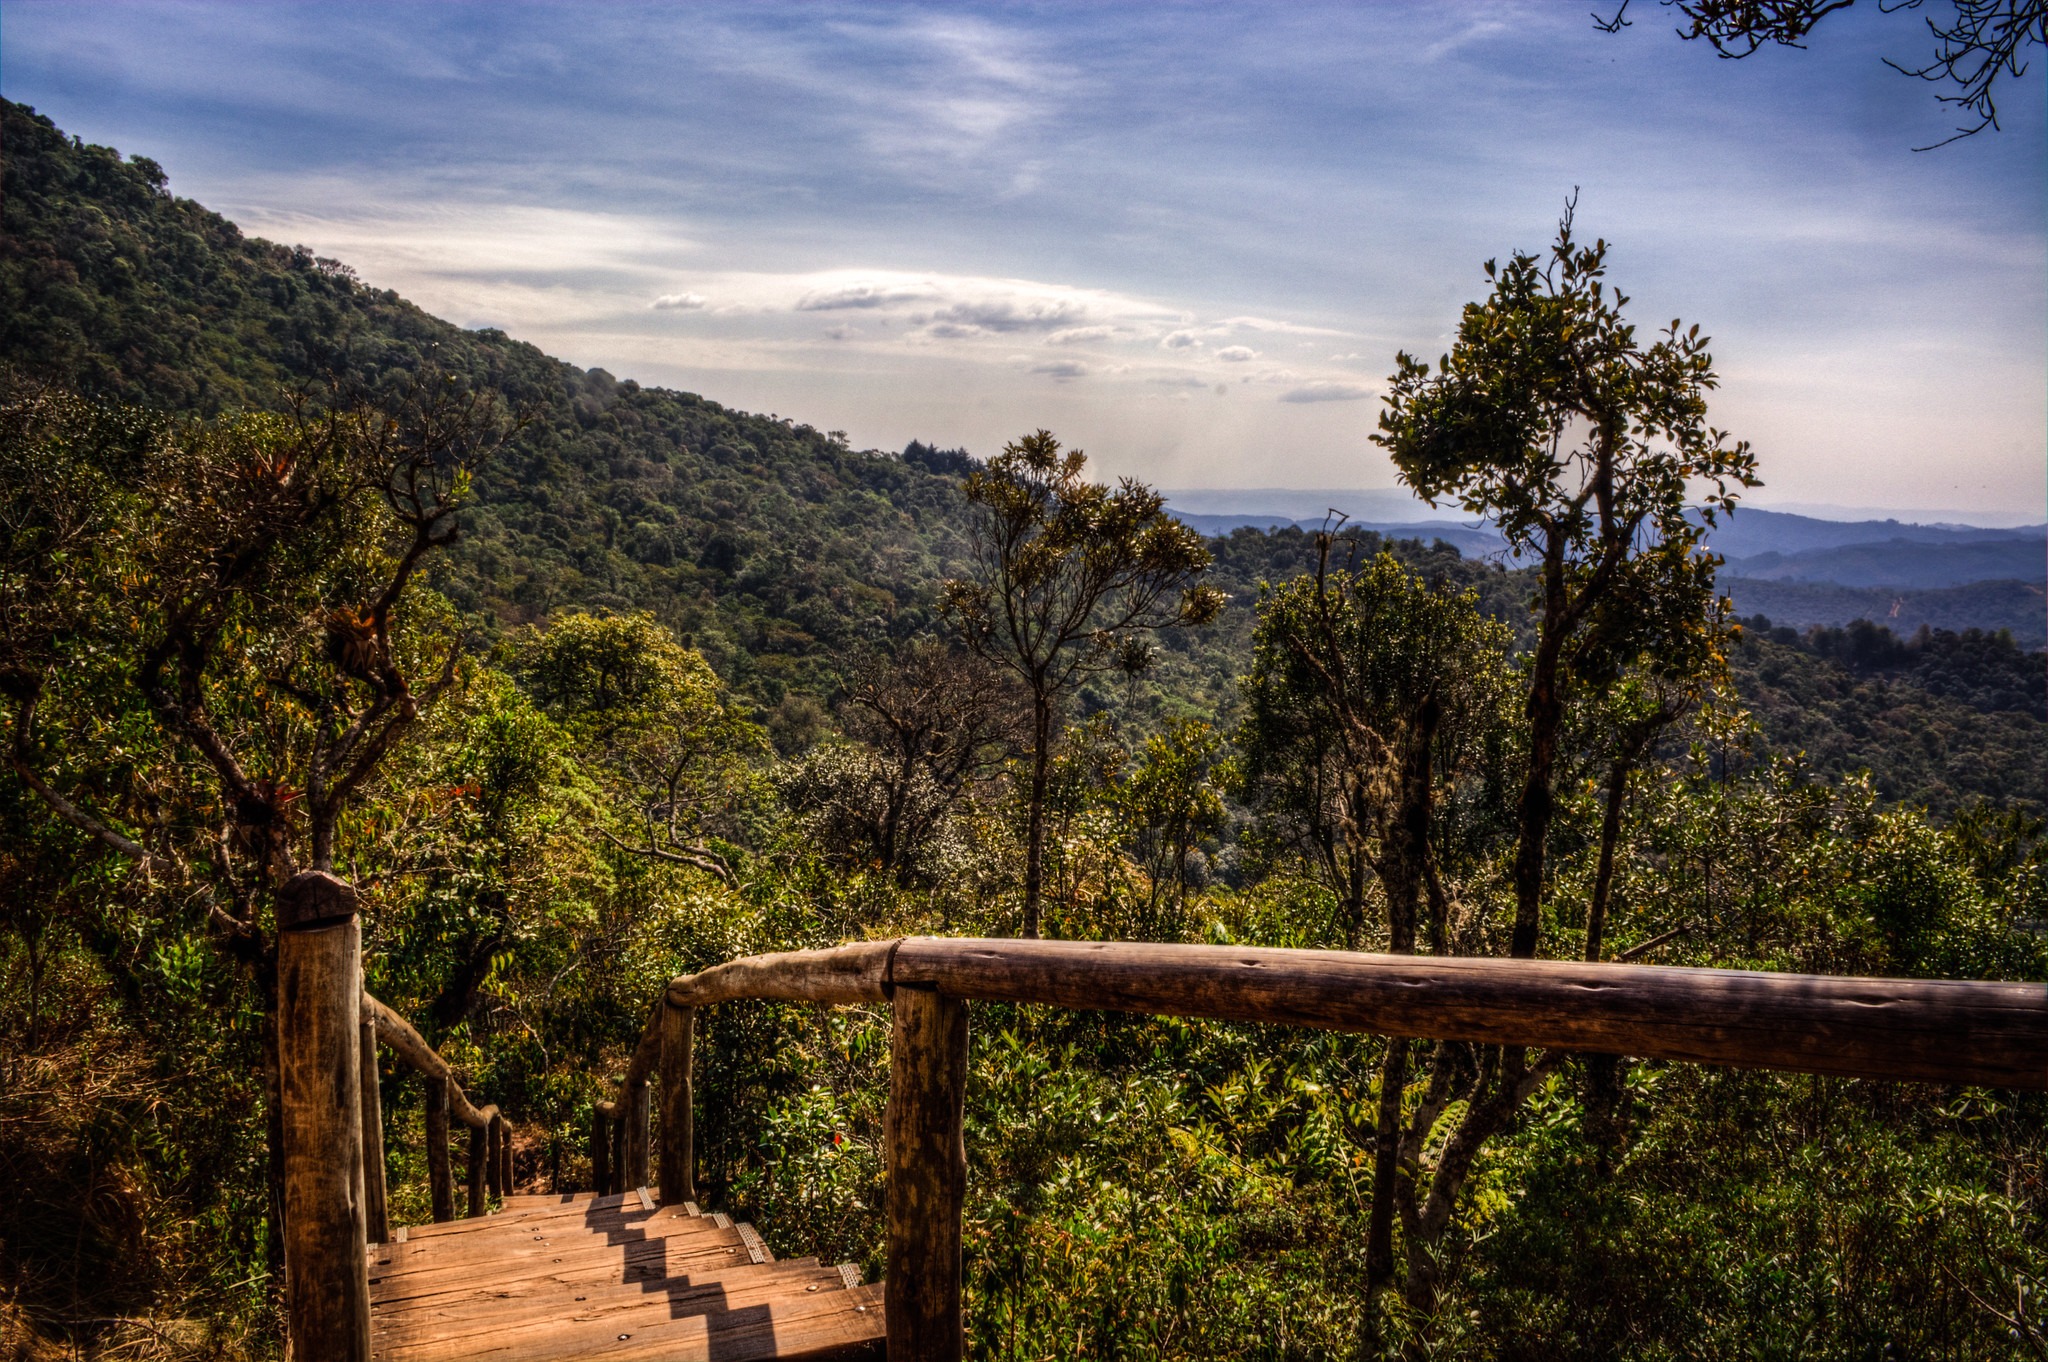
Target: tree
column 1068, row 577
column 1549, row 417
column 1581, row 444
column 652, row 719
column 1985, row 40
column 1374, row 695
column 1171, row 803
column 243, row 628
column 934, row 720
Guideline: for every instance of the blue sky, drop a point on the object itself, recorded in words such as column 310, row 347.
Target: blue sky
column 1189, row 238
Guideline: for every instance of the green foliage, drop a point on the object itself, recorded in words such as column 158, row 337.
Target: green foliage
column 590, row 807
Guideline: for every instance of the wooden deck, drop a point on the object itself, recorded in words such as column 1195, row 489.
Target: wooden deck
column 616, row 1277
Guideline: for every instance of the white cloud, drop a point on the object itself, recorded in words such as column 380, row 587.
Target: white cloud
column 1062, row 370
column 858, row 296
column 1179, row 340
column 1014, row 313
column 1322, row 390
column 1080, row 335
column 841, row 333
column 679, row 302
column 1236, row 354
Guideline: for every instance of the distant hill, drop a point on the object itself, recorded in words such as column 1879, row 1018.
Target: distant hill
column 1903, row 563
column 772, row 546
column 1751, row 531
column 2020, row 608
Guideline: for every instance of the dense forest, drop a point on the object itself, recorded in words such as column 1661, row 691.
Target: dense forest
column 584, row 684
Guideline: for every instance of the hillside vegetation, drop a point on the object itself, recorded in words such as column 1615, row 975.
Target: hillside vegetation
column 690, row 685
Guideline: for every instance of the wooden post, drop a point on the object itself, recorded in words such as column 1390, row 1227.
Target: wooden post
column 636, row 1138
column 600, row 1154
column 926, row 1164
column 619, row 1148
column 678, row 1114
column 319, row 1010
column 439, row 1176
column 504, row 1157
column 478, row 1138
column 376, row 1215
column 494, row 1165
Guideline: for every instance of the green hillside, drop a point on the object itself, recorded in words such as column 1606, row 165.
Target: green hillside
column 769, row 544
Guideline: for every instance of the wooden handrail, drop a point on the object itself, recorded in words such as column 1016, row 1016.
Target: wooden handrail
column 1926, row 1030
column 399, row 1037
column 490, row 1143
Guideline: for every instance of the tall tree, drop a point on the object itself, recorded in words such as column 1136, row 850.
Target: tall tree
column 1394, row 688
column 653, row 720
column 1582, row 444
column 1069, row 575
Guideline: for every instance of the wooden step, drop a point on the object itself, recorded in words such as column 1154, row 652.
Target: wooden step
column 559, row 1277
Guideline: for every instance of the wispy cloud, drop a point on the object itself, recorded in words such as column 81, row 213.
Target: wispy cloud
column 1325, row 391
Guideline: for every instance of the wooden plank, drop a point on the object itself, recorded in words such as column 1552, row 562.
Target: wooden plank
column 810, row 1328
column 510, row 1236
column 636, row 1265
column 925, row 1163
column 537, row 1304
column 583, row 1206
column 1936, row 1031
column 394, row 1275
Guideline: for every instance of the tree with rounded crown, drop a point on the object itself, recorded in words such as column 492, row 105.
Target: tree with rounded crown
column 1551, row 418
column 1582, row 444
column 1068, row 575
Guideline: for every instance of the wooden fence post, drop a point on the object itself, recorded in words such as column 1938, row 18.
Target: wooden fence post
column 319, row 1011
column 479, row 1137
column 926, row 1165
column 504, row 1157
column 376, row 1214
column 678, row 1113
column 439, row 1175
column 636, row 1138
column 600, row 1153
column 618, row 1123
column 494, row 1164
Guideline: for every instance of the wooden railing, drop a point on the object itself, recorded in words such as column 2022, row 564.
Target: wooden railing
column 1937, row 1031
column 490, row 1134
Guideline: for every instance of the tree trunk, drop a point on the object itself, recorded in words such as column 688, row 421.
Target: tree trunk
column 1034, row 836
column 1610, row 835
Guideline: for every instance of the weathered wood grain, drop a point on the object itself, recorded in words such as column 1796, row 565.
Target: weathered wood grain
column 320, row 1103
column 842, row 974
column 925, row 1162
column 1936, row 1031
column 440, row 1177
column 678, row 1105
column 376, row 1215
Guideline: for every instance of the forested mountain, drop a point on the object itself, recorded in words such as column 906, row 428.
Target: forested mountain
column 651, row 734
column 771, row 545
column 775, row 549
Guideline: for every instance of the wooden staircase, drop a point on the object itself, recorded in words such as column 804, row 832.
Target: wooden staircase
column 616, row 1277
